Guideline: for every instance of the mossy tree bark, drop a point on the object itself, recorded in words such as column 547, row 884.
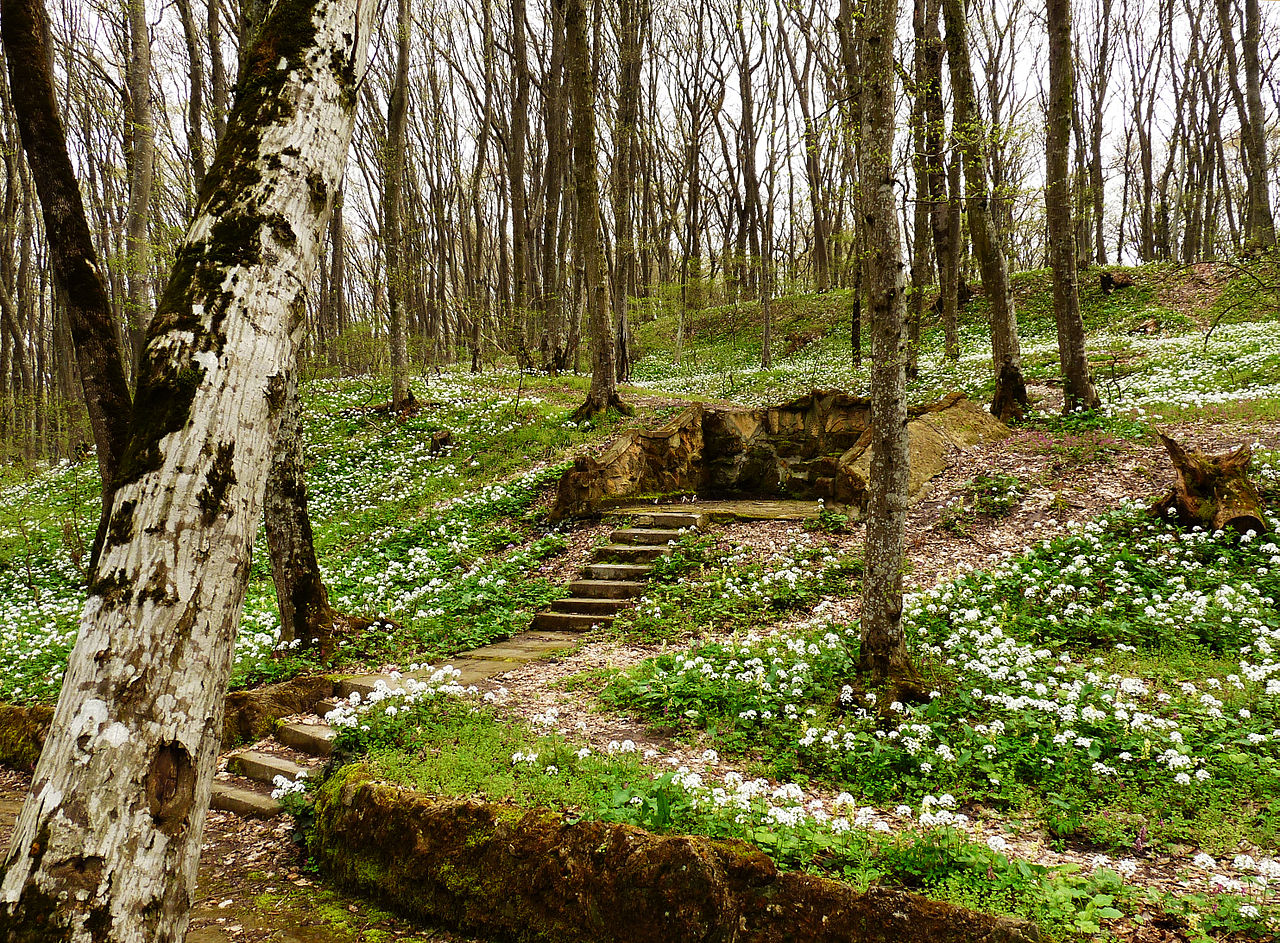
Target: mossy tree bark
column 972, row 138
column 1078, row 389
column 884, row 652
column 107, row 844
column 604, row 373
column 25, row 27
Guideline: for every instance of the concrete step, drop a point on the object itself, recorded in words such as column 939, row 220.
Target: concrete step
column 606, row 589
column 323, row 707
column 316, row 739
column 570, row 621
column 590, row 605
column 264, row 767
column 650, row 536
column 628, row 553
column 243, row 802
column 616, row 572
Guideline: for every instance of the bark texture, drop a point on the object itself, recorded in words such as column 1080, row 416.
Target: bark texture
column 1212, row 491
column 1078, row 389
column 106, row 846
column 306, row 618
column 884, row 652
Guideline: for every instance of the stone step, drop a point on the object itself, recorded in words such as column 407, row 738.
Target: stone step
column 316, row 739
column 529, row 646
column 628, row 553
column 324, row 706
column 674, row 519
column 244, row 802
column 644, row 535
column 570, row 621
column 606, row 589
column 616, row 572
column 263, row 767
column 592, row 605
column 364, row 684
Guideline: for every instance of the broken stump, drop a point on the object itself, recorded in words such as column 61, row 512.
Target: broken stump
column 1212, row 491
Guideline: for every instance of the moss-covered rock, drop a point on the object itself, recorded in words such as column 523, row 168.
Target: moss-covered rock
column 22, row 731
column 815, row 446
column 530, row 875
column 252, row 715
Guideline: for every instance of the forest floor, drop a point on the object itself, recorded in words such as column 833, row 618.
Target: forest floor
column 453, row 545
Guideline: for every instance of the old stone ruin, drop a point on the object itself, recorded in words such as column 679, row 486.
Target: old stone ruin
column 815, row 446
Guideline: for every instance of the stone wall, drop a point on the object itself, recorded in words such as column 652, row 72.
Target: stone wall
column 816, row 446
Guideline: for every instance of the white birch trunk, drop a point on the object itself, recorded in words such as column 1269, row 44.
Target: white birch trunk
column 107, row 844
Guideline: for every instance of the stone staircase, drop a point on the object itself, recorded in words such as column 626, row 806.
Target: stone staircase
column 616, row 575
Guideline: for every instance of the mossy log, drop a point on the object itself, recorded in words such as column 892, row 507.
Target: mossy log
column 511, row 873
column 1212, row 491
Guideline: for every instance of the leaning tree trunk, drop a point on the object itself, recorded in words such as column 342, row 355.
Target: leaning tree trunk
column 75, row 264
column 884, row 652
column 1212, row 491
column 107, row 844
column 306, row 618
column 586, row 182
column 1077, row 385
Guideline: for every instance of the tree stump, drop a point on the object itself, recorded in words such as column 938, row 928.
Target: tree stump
column 1010, row 401
column 1212, row 491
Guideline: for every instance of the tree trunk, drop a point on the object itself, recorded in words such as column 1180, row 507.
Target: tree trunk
column 106, row 846
column 195, row 101
column 633, row 18
column 1078, row 388
column 586, row 185
column 972, row 139
column 306, row 618
column 141, row 160
column 883, row 655
column 392, row 189
column 1262, row 227
column 75, row 263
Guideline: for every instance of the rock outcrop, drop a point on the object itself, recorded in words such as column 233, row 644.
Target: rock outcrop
column 816, row 446
column 529, row 875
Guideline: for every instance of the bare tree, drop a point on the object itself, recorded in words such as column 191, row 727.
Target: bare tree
column 883, row 655
column 586, row 185
column 969, row 132
column 1078, row 389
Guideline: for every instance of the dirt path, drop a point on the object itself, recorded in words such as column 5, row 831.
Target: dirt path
column 1059, row 491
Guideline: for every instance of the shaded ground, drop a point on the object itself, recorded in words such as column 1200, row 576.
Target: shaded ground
column 253, row 887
